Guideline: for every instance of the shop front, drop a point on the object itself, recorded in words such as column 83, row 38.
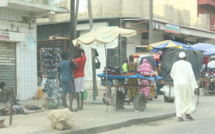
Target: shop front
column 8, row 59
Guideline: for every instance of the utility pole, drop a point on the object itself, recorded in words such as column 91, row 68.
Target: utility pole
column 72, row 27
column 76, row 16
column 93, row 52
column 151, row 38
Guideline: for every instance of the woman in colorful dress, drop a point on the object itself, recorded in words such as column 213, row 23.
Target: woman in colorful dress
column 132, row 69
column 145, row 69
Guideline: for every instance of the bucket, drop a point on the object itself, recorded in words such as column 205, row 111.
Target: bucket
column 201, row 91
column 85, row 95
column 40, row 93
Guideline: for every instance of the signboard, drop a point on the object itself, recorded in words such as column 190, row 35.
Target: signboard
column 12, row 36
column 3, row 3
column 4, row 35
column 159, row 26
column 173, row 29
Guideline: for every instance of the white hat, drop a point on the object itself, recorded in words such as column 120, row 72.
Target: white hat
column 182, row 55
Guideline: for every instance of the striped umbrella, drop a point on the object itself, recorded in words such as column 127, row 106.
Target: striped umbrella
column 167, row 44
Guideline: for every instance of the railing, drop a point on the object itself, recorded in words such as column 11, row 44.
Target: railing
column 43, row 2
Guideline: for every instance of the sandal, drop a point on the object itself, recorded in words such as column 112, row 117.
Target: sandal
column 189, row 117
column 180, row 119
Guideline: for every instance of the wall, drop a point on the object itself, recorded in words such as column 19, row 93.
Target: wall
column 134, row 40
column 211, row 12
column 26, row 56
column 179, row 12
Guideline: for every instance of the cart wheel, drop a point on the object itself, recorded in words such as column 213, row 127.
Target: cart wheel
column 165, row 98
column 113, row 99
column 139, row 102
column 172, row 100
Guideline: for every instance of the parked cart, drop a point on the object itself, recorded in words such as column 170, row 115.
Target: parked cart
column 139, row 100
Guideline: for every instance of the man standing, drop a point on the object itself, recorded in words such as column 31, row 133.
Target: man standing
column 185, row 86
column 64, row 69
column 79, row 75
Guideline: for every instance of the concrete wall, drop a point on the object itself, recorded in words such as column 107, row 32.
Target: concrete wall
column 179, row 12
column 211, row 13
column 26, row 58
column 135, row 40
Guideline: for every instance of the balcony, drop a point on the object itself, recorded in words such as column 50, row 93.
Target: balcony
column 38, row 8
column 206, row 2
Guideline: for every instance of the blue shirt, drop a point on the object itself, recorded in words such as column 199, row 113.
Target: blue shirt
column 65, row 70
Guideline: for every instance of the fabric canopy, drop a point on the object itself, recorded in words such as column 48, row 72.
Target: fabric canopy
column 167, row 44
column 170, row 56
column 103, row 36
column 208, row 49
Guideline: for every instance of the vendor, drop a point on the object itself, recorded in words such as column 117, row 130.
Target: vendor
column 157, row 60
column 132, row 68
column 5, row 94
column 159, row 85
column 125, row 66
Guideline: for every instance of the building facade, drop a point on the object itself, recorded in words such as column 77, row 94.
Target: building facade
column 208, row 7
column 18, row 43
column 179, row 20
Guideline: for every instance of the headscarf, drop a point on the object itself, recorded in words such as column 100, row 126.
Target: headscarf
column 145, row 68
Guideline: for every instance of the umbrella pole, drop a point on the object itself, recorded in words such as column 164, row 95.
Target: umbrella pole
column 106, row 70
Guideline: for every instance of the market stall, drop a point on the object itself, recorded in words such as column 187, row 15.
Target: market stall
column 170, row 51
column 207, row 81
column 105, row 35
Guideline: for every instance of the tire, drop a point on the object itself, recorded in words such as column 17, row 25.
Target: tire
column 139, row 102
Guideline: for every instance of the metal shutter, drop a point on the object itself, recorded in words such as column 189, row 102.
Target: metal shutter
column 8, row 64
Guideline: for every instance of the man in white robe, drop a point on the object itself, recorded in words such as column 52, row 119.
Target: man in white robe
column 185, row 87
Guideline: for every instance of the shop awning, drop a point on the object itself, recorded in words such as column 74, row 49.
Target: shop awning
column 103, row 36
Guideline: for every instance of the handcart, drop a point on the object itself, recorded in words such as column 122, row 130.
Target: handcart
column 139, row 100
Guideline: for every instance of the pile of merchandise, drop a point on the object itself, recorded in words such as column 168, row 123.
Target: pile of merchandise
column 50, row 59
column 16, row 110
column 209, row 73
column 112, row 70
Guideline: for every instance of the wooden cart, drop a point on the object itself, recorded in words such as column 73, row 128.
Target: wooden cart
column 139, row 100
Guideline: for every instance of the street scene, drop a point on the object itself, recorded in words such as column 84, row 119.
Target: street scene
column 116, row 66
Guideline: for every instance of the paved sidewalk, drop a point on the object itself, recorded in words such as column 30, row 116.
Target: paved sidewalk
column 94, row 118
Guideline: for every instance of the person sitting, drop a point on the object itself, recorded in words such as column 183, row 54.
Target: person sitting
column 5, row 94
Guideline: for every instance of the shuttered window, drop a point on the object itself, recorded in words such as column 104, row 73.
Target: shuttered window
column 8, row 64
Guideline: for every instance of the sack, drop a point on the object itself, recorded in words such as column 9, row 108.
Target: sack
column 98, row 64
